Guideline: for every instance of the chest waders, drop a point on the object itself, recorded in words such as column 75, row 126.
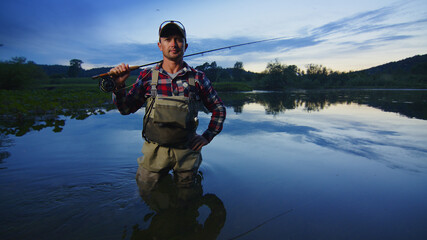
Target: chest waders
column 170, row 120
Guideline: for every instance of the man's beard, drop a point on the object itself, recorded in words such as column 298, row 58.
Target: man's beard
column 174, row 54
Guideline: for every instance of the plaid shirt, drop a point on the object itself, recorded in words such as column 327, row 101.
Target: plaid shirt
column 133, row 100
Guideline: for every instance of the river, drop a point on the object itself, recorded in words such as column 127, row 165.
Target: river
column 295, row 165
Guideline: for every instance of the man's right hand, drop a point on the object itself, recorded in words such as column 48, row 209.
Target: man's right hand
column 120, row 73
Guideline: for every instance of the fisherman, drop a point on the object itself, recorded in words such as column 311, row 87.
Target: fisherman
column 172, row 91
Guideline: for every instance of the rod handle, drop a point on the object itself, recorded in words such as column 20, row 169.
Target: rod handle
column 131, row 68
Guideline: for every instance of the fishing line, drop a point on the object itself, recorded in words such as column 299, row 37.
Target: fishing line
column 301, row 205
column 261, row 224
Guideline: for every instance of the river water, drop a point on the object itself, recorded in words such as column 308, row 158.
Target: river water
column 295, row 165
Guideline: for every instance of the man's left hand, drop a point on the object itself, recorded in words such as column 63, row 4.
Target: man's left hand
column 197, row 142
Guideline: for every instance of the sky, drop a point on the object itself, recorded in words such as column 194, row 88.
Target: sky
column 338, row 34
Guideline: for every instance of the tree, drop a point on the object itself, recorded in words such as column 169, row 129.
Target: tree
column 238, row 65
column 212, row 70
column 18, row 60
column 238, row 71
column 317, row 72
column 275, row 78
column 75, row 67
column 203, row 67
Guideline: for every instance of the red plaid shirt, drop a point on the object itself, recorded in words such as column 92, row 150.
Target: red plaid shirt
column 133, row 100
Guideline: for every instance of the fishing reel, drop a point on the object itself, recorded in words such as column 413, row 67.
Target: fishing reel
column 107, row 84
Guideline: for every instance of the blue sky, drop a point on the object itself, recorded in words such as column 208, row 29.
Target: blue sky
column 341, row 35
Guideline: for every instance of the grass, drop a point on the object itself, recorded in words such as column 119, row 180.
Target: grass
column 231, row 86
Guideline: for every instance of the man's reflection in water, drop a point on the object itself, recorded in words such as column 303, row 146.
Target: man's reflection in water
column 176, row 202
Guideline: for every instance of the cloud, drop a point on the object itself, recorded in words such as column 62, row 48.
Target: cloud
column 373, row 43
column 352, row 24
column 51, row 32
column 368, row 30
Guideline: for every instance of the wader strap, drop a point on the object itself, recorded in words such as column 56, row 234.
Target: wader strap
column 154, row 80
column 148, row 108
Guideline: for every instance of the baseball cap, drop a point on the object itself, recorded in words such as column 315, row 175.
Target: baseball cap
column 171, row 27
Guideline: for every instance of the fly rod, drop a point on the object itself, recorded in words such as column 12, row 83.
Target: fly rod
column 106, row 84
column 190, row 55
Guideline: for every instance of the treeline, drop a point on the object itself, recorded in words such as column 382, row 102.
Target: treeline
column 19, row 73
column 75, row 70
column 408, row 73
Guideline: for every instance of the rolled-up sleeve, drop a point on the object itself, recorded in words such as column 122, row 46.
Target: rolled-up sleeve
column 133, row 100
column 214, row 104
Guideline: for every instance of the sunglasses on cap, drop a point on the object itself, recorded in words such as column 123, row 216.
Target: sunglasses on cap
column 177, row 24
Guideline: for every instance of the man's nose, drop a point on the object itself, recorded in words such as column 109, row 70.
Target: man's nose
column 174, row 43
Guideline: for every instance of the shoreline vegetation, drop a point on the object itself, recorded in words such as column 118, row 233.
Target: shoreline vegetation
column 34, row 96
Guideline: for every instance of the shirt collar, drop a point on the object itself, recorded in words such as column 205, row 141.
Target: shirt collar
column 186, row 68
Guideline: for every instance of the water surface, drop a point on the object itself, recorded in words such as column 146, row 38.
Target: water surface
column 300, row 165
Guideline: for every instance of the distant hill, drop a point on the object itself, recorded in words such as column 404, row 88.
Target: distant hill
column 412, row 65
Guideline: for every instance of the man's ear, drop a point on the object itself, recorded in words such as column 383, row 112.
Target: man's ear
column 159, row 45
column 186, row 46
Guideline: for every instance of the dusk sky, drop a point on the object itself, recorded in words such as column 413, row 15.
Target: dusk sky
column 341, row 35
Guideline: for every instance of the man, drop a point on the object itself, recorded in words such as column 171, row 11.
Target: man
column 172, row 90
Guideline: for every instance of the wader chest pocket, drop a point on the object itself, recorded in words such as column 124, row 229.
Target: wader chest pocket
column 171, row 111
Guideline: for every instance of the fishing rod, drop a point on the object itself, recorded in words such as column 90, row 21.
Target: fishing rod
column 107, row 84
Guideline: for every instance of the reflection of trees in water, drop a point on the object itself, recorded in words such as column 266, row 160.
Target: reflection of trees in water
column 407, row 103
column 276, row 102
column 20, row 124
column 176, row 211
